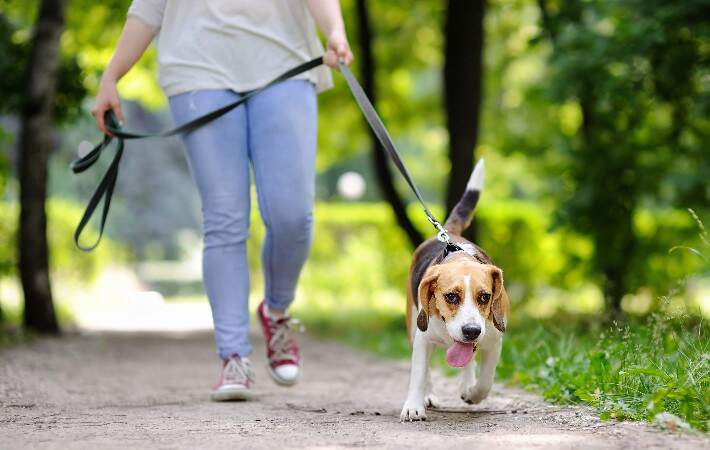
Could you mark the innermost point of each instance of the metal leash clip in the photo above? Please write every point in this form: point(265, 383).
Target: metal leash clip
point(442, 235)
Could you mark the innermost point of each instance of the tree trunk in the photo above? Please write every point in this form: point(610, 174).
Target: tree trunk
point(614, 291)
point(463, 70)
point(35, 146)
point(379, 156)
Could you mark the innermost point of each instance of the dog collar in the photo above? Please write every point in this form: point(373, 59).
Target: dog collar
point(451, 248)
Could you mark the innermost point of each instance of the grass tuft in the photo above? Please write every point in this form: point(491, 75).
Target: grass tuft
point(637, 371)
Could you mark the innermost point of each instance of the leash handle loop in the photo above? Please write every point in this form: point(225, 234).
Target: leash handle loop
point(103, 192)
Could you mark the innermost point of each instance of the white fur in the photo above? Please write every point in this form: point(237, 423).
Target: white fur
point(415, 406)
point(474, 390)
point(467, 313)
point(439, 333)
point(475, 182)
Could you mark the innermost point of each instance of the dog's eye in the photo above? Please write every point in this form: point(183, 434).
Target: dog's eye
point(483, 298)
point(452, 297)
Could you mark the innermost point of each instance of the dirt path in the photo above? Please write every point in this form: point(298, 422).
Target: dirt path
point(150, 390)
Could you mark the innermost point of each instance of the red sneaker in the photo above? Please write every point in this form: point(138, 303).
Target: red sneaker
point(281, 348)
point(235, 380)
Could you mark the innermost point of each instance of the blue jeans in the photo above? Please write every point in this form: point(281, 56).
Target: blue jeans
point(276, 132)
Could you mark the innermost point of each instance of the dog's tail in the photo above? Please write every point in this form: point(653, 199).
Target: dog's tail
point(462, 214)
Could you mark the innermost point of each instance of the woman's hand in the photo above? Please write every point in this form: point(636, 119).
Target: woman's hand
point(135, 38)
point(337, 49)
point(107, 99)
point(330, 20)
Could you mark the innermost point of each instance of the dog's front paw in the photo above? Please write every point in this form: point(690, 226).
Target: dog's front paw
point(413, 410)
point(431, 401)
point(474, 394)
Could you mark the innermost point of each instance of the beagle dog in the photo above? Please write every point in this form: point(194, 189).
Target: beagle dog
point(455, 299)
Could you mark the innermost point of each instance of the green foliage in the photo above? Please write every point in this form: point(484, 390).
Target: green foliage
point(632, 72)
point(348, 240)
point(558, 258)
point(633, 372)
point(14, 56)
point(359, 256)
point(705, 241)
point(65, 259)
point(407, 47)
point(8, 219)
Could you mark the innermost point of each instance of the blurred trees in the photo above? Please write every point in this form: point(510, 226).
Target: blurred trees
point(635, 72)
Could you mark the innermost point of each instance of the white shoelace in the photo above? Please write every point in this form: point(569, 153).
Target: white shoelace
point(280, 341)
point(237, 371)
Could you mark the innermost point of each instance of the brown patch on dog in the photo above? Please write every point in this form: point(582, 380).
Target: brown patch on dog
point(424, 294)
point(449, 280)
point(499, 302)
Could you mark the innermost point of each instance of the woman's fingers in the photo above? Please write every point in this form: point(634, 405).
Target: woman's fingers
point(332, 57)
point(347, 56)
point(338, 50)
point(116, 108)
point(107, 99)
point(343, 53)
point(98, 112)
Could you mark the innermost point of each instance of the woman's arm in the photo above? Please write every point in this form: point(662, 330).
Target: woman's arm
point(135, 38)
point(330, 20)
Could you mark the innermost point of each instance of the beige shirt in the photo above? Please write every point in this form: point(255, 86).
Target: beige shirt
point(230, 44)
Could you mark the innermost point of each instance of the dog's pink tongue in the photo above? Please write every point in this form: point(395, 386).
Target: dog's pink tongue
point(458, 355)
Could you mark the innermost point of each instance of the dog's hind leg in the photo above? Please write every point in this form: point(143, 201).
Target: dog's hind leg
point(415, 406)
point(489, 361)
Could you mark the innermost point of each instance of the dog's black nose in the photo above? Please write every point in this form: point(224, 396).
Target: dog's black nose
point(471, 331)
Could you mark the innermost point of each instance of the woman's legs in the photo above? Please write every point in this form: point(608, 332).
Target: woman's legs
point(282, 129)
point(218, 158)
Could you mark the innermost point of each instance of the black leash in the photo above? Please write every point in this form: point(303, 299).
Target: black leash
point(106, 187)
point(384, 137)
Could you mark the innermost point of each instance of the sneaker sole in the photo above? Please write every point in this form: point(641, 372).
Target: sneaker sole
point(282, 381)
point(231, 393)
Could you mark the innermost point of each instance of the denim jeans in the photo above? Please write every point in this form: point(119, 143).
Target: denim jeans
point(276, 132)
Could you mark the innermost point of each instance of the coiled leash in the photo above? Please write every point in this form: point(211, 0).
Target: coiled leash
point(106, 187)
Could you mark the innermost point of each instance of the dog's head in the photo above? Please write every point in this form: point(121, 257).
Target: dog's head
point(463, 294)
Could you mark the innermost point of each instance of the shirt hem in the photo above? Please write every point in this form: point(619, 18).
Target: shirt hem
point(178, 87)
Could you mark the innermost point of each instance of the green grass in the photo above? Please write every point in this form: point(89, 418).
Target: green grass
point(637, 371)
point(632, 372)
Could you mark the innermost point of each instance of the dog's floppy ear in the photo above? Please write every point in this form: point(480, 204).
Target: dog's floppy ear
point(424, 295)
point(499, 305)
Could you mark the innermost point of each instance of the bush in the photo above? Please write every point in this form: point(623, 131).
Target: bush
point(359, 254)
point(65, 259)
